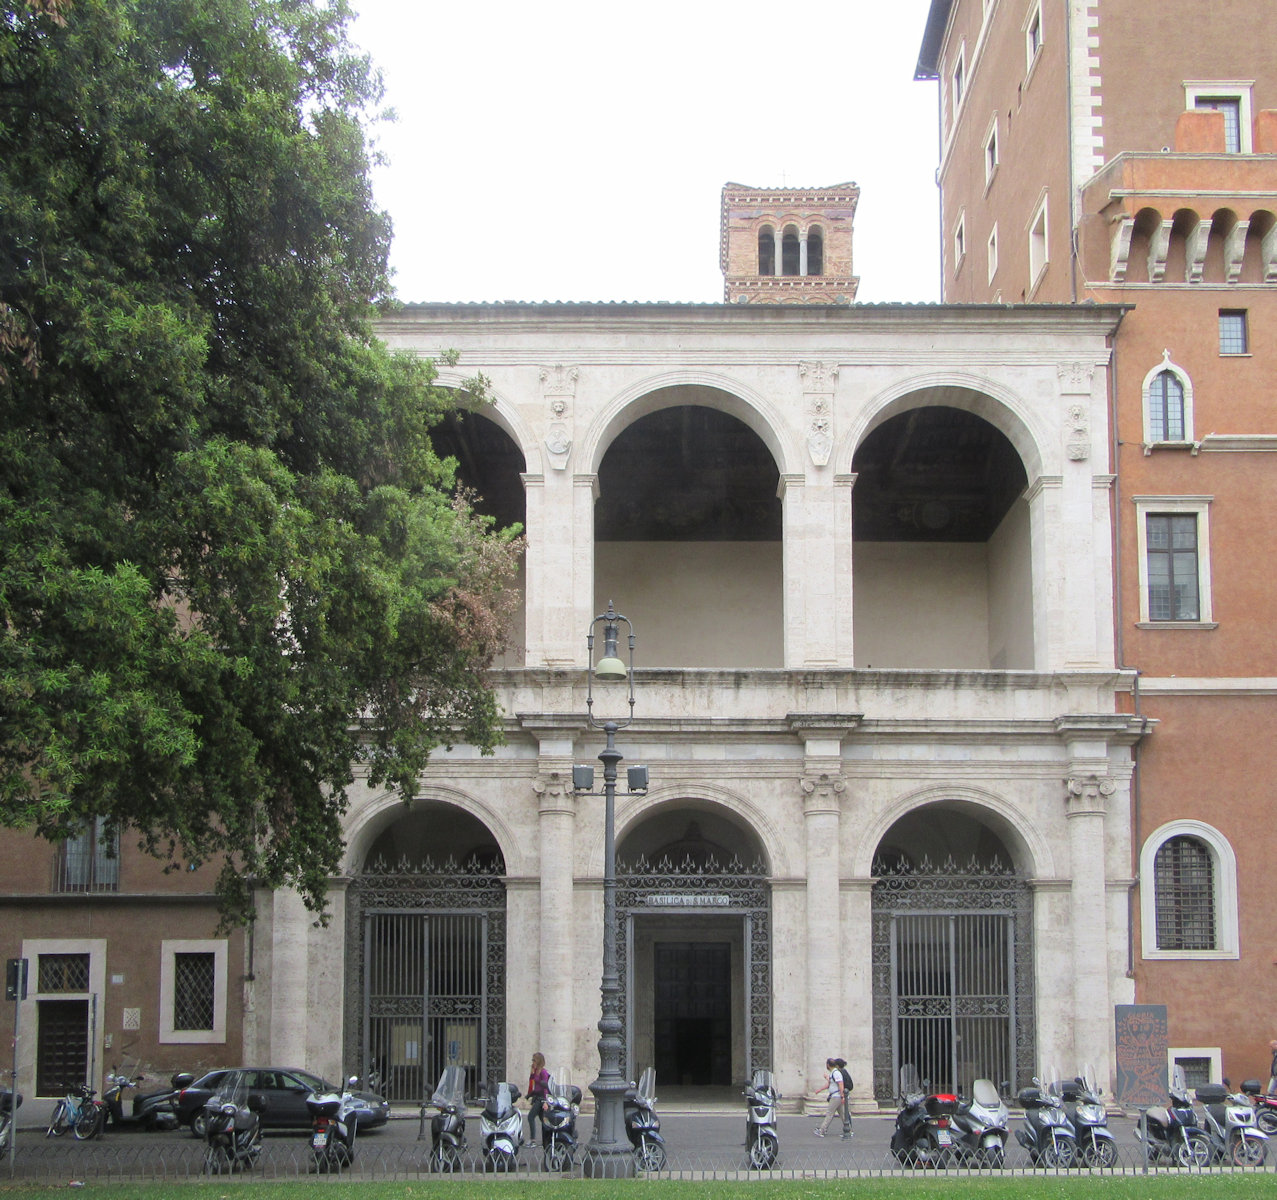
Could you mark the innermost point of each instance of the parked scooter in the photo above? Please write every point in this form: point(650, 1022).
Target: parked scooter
point(558, 1125)
point(762, 1143)
point(923, 1136)
point(233, 1126)
point(501, 1127)
point(1047, 1134)
point(150, 1110)
point(642, 1125)
point(1265, 1105)
point(1173, 1132)
point(8, 1105)
point(333, 1127)
point(448, 1125)
point(1096, 1146)
point(1230, 1125)
point(980, 1127)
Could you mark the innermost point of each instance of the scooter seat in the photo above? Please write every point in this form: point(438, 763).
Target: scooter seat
point(1159, 1115)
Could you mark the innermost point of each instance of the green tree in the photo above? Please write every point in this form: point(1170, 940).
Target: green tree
point(232, 567)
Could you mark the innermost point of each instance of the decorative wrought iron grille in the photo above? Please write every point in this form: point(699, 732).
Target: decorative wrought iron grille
point(425, 980)
point(952, 975)
point(703, 886)
point(1184, 887)
point(63, 973)
point(194, 980)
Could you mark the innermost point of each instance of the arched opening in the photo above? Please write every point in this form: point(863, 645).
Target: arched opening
point(1223, 223)
point(789, 251)
point(490, 465)
point(694, 908)
point(1259, 230)
point(687, 531)
point(815, 251)
point(766, 251)
point(952, 952)
point(1183, 229)
point(425, 937)
point(942, 574)
point(1144, 236)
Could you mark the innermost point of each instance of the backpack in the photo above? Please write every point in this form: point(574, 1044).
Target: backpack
point(846, 1078)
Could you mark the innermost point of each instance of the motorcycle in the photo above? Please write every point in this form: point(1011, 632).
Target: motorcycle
point(1265, 1105)
point(1230, 1125)
point(501, 1128)
point(233, 1127)
point(762, 1144)
point(642, 1125)
point(923, 1136)
point(980, 1126)
point(1047, 1134)
point(9, 1103)
point(448, 1125)
point(558, 1125)
point(333, 1127)
point(150, 1110)
point(1173, 1134)
point(1096, 1146)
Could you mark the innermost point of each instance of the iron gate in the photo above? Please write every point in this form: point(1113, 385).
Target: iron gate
point(702, 886)
point(426, 978)
point(953, 977)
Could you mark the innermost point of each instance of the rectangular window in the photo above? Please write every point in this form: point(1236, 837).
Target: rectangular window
point(62, 973)
point(1037, 244)
point(959, 80)
point(194, 989)
point(88, 862)
point(1197, 1071)
point(1172, 567)
point(991, 152)
point(1033, 36)
point(993, 253)
point(1231, 107)
point(959, 242)
point(1233, 338)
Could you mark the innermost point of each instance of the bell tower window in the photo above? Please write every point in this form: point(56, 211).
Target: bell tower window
point(766, 251)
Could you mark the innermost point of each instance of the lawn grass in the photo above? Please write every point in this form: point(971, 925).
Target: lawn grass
point(1165, 1186)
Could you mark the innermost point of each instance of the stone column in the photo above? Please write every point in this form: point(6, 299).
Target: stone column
point(557, 981)
point(289, 966)
point(1086, 798)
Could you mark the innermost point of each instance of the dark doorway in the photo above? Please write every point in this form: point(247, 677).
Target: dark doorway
point(693, 1013)
point(62, 1045)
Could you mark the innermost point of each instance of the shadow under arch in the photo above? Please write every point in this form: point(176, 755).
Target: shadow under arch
point(669, 390)
point(984, 398)
point(502, 413)
point(371, 820)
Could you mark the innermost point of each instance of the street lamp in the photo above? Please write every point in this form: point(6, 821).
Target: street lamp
point(608, 1154)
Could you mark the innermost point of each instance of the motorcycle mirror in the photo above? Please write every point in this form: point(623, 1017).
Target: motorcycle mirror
point(353, 1081)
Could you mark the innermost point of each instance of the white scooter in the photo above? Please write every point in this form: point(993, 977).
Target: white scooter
point(501, 1128)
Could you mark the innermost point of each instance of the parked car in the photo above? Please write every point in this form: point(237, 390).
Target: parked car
point(285, 1090)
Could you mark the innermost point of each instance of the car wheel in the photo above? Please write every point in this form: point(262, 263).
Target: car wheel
point(199, 1124)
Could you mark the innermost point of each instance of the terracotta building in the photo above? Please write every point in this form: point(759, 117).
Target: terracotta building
point(1123, 153)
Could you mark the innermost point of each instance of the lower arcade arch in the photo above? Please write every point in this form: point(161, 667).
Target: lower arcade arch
point(694, 947)
point(952, 953)
point(426, 953)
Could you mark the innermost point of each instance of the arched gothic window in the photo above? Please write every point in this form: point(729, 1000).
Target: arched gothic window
point(1166, 408)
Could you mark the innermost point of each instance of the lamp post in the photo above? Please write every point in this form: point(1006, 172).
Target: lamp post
point(608, 1154)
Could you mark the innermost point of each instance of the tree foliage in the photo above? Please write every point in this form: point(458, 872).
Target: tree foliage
point(231, 564)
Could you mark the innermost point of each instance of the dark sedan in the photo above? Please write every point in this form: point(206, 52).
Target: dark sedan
point(285, 1090)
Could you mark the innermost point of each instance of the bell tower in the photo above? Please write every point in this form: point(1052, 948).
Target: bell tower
point(788, 245)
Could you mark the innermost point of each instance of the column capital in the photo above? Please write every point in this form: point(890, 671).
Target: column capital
point(554, 791)
point(822, 792)
point(1087, 794)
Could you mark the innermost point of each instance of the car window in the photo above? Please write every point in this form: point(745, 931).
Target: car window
point(267, 1081)
point(210, 1081)
point(312, 1083)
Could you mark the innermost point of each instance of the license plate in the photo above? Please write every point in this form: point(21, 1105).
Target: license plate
point(943, 1138)
point(319, 1141)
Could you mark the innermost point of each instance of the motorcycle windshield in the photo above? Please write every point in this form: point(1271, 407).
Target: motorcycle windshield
point(451, 1090)
point(233, 1089)
point(646, 1090)
point(762, 1081)
point(910, 1082)
point(501, 1103)
point(985, 1094)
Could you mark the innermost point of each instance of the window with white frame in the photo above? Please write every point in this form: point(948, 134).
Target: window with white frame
point(1168, 404)
point(1038, 257)
point(1188, 893)
point(1032, 36)
point(959, 241)
point(193, 990)
point(1232, 97)
point(1201, 1064)
point(991, 151)
point(993, 252)
point(1234, 337)
point(1173, 536)
point(959, 80)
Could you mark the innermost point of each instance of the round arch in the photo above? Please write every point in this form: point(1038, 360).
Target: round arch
point(366, 821)
point(1030, 852)
point(982, 397)
point(737, 810)
point(659, 392)
point(504, 414)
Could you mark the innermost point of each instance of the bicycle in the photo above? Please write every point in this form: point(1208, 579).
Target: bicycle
point(78, 1112)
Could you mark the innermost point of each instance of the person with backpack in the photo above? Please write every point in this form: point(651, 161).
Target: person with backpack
point(835, 1095)
point(840, 1065)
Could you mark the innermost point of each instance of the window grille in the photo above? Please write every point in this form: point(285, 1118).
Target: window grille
point(1166, 408)
point(194, 983)
point(1172, 567)
point(63, 973)
point(1197, 1071)
point(1184, 886)
point(88, 862)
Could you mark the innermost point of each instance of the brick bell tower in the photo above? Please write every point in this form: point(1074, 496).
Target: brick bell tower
point(788, 245)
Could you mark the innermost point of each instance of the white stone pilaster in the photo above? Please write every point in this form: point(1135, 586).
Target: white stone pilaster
point(555, 976)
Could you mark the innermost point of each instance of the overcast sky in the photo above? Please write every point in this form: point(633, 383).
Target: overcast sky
point(574, 150)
